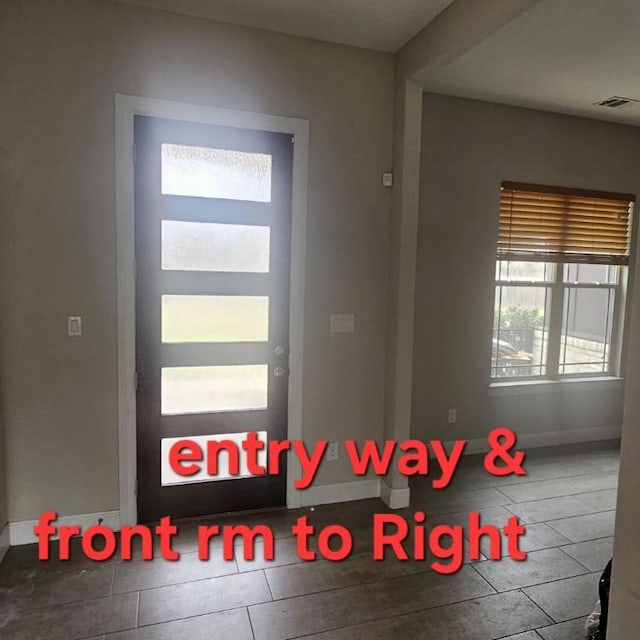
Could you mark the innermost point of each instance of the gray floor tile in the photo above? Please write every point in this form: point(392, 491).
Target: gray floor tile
point(310, 614)
point(566, 599)
point(204, 596)
point(134, 576)
point(538, 490)
point(563, 501)
point(539, 567)
point(604, 460)
point(487, 618)
point(541, 536)
point(21, 563)
point(73, 621)
point(484, 480)
point(279, 520)
point(497, 516)
point(227, 625)
point(593, 554)
point(285, 552)
point(589, 527)
point(322, 575)
point(549, 509)
point(451, 500)
point(537, 469)
point(571, 630)
point(537, 537)
point(51, 589)
point(559, 467)
point(599, 500)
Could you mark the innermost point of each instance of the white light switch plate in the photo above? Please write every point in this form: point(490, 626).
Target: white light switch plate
point(74, 325)
point(342, 323)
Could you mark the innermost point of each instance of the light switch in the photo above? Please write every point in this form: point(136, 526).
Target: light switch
point(74, 325)
point(342, 323)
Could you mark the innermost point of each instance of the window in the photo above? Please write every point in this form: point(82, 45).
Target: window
point(562, 259)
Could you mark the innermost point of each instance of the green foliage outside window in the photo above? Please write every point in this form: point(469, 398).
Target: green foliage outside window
point(520, 318)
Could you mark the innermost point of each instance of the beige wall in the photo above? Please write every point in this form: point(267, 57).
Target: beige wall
point(63, 60)
point(468, 149)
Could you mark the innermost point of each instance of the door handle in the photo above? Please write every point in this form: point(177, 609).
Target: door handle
point(279, 372)
point(279, 350)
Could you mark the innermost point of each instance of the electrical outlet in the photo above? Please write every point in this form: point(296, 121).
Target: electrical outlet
point(453, 416)
point(342, 323)
point(332, 451)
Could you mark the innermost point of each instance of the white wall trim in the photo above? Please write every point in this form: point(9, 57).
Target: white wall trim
point(5, 541)
point(126, 107)
point(548, 439)
point(568, 385)
point(343, 492)
point(22, 532)
point(395, 498)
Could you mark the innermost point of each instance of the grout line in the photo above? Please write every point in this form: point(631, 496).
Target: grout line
point(138, 610)
point(548, 523)
point(113, 581)
point(511, 502)
point(266, 579)
point(415, 612)
point(534, 631)
point(151, 625)
point(584, 515)
point(526, 595)
point(425, 569)
point(578, 561)
point(572, 558)
point(579, 515)
point(483, 577)
point(581, 618)
point(180, 582)
point(503, 488)
point(554, 580)
point(253, 633)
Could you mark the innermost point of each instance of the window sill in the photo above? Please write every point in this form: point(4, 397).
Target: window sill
point(561, 385)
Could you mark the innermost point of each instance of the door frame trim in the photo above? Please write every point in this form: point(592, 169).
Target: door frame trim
point(126, 108)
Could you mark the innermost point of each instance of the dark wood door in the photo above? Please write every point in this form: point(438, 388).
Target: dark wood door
point(213, 220)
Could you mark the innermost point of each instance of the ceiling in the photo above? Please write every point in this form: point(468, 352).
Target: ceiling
point(383, 25)
point(561, 55)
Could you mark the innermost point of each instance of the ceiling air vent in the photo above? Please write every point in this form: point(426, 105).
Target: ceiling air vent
point(615, 102)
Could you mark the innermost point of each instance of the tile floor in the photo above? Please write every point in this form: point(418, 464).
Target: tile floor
point(567, 502)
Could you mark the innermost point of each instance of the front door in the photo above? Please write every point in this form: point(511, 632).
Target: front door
point(213, 220)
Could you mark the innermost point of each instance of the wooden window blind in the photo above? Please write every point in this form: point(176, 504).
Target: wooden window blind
point(553, 224)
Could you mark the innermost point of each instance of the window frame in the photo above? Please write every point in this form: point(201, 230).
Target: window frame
point(558, 258)
point(557, 287)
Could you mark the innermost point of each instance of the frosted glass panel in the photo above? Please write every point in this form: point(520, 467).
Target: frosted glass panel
point(215, 318)
point(209, 389)
point(215, 173)
point(585, 342)
point(208, 246)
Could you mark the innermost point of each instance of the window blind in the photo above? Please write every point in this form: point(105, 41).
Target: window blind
point(554, 224)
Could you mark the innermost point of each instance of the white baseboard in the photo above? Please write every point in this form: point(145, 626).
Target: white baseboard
point(22, 532)
point(4, 542)
point(548, 439)
point(394, 498)
point(343, 492)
